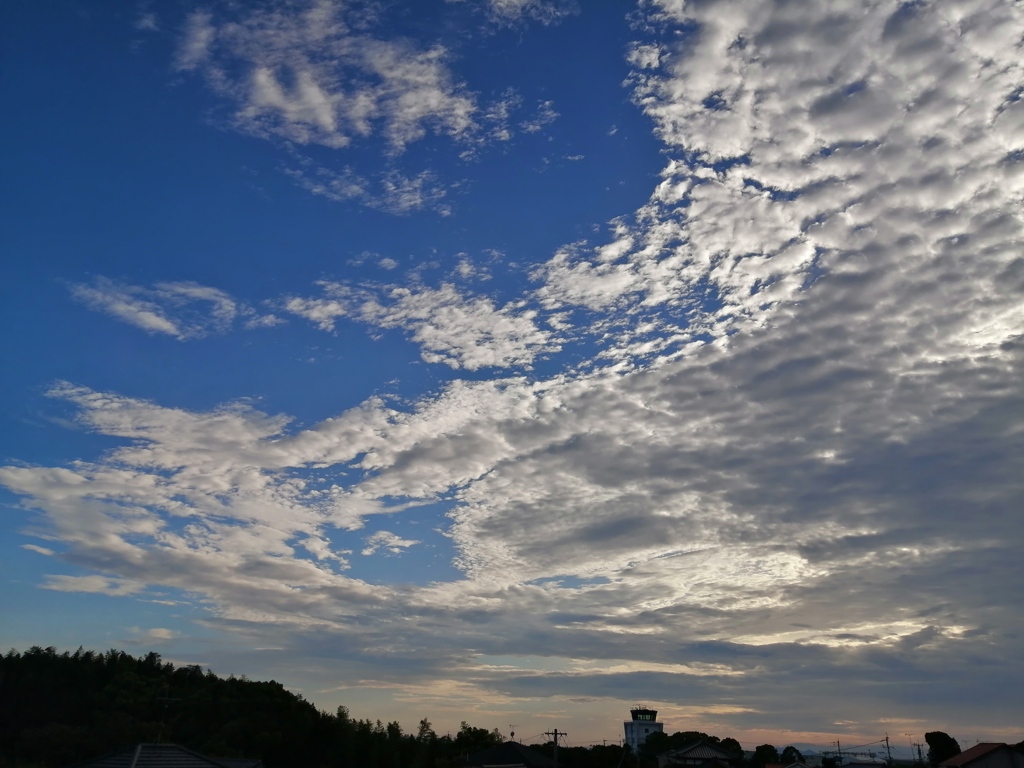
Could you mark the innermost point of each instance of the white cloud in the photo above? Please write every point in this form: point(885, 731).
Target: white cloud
point(802, 463)
point(94, 584)
point(194, 48)
point(154, 635)
point(467, 269)
point(393, 543)
point(125, 303)
point(544, 11)
point(546, 114)
point(314, 76)
point(390, 191)
point(37, 549)
point(322, 312)
point(459, 331)
point(255, 320)
point(798, 155)
point(170, 307)
point(147, 22)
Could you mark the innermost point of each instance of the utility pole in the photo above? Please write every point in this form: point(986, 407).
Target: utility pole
point(887, 750)
point(166, 699)
point(839, 751)
point(555, 734)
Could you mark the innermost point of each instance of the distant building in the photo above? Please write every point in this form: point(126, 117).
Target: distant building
point(164, 756)
point(986, 755)
point(698, 753)
point(644, 723)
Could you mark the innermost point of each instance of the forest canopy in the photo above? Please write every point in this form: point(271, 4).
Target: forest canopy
point(60, 708)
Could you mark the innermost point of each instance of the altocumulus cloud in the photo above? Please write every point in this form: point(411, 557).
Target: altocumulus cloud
point(459, 331)
point(291, 75)
point(319, 75)
point(802, 462)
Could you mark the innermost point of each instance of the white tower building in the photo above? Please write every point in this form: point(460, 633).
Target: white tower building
point(644, 723)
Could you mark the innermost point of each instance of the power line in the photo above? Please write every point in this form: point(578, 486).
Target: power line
point(555, 734)
point(870, 743)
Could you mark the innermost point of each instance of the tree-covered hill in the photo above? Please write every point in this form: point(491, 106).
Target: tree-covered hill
point(59, 708)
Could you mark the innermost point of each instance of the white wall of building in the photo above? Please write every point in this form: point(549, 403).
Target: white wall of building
point(637, 731)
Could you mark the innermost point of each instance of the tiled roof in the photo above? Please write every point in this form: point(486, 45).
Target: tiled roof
point(510, 753)
point(699, 750)
point(716, 763)
point(973, 753)
point(162, 756)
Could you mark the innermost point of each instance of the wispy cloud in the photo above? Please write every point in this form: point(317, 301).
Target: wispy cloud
point(317, 76)
point(390, 191)
point(543, 11)
point(37, 549)
point(147, 22)
point(545, 115)
point(154, 635)
point(170, 308)
point(194, 48)
point(125, 302)
point(95, 584)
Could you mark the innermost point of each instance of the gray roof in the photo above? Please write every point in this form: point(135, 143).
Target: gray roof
point(164, 756)
point(699, 750)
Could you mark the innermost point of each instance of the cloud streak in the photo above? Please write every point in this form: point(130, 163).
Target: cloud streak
point(169, 308)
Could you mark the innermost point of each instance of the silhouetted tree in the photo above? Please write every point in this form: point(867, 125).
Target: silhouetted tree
point(655, 744)
point(731, 745)
point(941, 746)
point(791, 755)
point(469, 739)
point(765, 754)
point(597, 756)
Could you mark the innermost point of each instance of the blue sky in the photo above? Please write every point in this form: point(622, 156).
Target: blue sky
point(516, 361)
